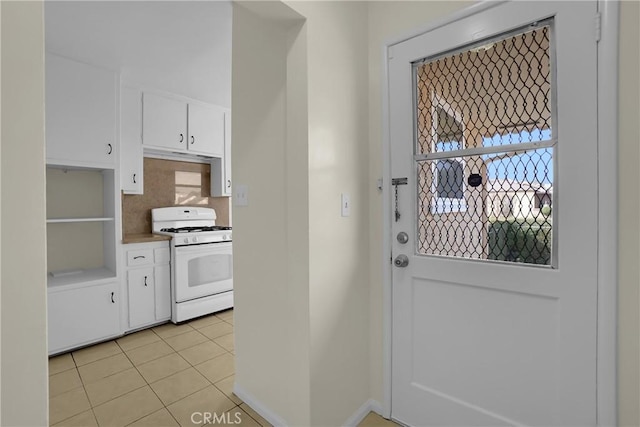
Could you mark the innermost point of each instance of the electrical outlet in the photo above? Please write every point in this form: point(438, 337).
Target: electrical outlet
point(346, 204)
point(240, 195)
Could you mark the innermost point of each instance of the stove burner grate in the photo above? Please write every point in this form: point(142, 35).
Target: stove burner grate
point(196, 229)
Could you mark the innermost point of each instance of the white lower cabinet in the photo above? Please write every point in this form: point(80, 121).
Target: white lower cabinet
point(163, 291)
point(142, 303)
point(82, 315)
point(148, 284)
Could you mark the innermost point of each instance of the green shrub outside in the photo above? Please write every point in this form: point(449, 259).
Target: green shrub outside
point(520, 240)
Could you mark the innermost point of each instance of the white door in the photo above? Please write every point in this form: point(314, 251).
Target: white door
point(493, 123)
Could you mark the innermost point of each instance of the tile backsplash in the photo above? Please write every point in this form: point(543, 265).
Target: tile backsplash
point(171, 183)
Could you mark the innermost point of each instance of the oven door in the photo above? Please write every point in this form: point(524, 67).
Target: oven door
point(202, 270)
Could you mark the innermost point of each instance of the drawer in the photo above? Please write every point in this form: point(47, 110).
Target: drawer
point(139, 257)
point(161, 255)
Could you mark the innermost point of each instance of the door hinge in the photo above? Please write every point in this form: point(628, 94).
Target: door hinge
point(598, 25)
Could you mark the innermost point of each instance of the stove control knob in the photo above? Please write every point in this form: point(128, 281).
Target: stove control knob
point(226, 237)
point(195, 239)
point(186, 240)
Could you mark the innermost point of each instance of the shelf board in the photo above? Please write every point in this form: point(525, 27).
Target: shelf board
point(86, 219)
point(80, 277)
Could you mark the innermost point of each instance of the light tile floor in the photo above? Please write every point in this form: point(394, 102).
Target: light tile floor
point(156, 377)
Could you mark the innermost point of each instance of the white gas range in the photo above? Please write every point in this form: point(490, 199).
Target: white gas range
point(201, 260)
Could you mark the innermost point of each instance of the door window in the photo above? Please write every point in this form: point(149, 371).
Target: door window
point(485, 149)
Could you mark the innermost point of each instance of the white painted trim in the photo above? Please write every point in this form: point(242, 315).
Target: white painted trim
point(607, 213)
point(607, 206)
point(357, 417)
point(387, 315)
point(478, 7)
point(266, 413)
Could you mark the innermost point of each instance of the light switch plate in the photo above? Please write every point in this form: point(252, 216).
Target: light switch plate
point(346, 204)
point(240, 195)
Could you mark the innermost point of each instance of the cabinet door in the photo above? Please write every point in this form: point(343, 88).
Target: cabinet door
point(141, 286)
point(227, 154)
point(206, 129)
point(131, 160)
point(164, 122)
point(83, 315)
point(221, 167)
point(80, 104)
point(163, 292)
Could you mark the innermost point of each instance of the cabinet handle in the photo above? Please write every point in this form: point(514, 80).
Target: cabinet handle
point(134, 178)
point(145, 280)
point(139, 256)
point(110, 148)
point(228, 183)
point(181, 138)
point(112, 300)
point(193, 139)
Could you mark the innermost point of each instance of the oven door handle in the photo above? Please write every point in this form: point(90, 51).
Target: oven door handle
point(221, 248)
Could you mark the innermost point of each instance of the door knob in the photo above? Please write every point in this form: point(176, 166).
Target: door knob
point(401, 261)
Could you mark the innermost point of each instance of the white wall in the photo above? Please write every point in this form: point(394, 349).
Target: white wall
point(293, 218)
point(338, 256)
point(23, 246)
point(271, 243)
point(629, 218)
point(182, 47)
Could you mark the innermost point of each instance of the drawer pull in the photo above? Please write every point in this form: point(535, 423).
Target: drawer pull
point(139, 256)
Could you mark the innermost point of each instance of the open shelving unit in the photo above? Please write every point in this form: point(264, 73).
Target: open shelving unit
point(81, 226)
point(88, 219)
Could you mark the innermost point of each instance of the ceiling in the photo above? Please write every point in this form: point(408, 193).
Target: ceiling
point(182, 47)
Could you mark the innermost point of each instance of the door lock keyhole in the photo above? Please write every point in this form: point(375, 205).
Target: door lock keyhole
point(401, 261)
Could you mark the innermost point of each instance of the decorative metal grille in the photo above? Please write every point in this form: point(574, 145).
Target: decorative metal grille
point(485, 148)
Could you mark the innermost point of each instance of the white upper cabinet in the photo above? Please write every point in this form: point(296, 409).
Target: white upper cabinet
point(180, 125)
point(164, 122)
point(131, 161)
point(221, 167)
point(206, 129)
point(81, 103)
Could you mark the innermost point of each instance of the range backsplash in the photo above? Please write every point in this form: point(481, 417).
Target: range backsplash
point(171, 183)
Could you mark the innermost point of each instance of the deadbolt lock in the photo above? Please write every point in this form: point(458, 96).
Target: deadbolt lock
point(402, 237)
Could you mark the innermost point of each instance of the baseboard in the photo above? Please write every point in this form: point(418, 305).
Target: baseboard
point(357, 417)
point(266, 413)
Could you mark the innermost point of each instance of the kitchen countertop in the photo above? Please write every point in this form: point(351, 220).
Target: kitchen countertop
point(144, 238)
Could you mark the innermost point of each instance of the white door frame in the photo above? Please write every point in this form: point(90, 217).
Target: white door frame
point(607, 203)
